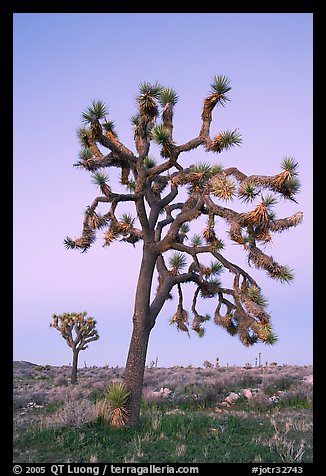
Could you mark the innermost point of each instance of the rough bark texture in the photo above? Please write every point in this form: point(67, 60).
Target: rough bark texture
point(74, 367)
point(142, 325)
point(135, 368)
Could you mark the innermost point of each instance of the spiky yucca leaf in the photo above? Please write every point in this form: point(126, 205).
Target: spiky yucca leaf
point(180, 319)
point(109, 126)
point(98, 110)
point(254, 293)
point(219, 244)
point(127, 218)
point(290, 187)
point(223, 187)
point(209, 288)
point(148, 105)
point(225, 140)
point(83, 135)
point(184, 228)
point(131, 185)
point(177, 262)
point(85, 154)
point(216, 267)
point(202, 168)
point(95, 220)
point(149, 162)
point(269, 201)
point(220, 85)
point(117, 397)
point(110, 236)
point(153, 90)
point(266, 335)
point(247, 192)
point(216, 169)
point(100, 178)
point(197, 240)
point(160, 135)
point(290, 164)
point(209, 234)
point(85, 241)
point(262, 213)
point(271, 339)
point(134, 119)
point(146, 100)
point(69, 243)
point(168, 96)
point(201, 331)
point(126, 222)
point(282, 273)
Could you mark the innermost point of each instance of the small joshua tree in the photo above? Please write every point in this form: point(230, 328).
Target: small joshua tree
point(77, 330)
point(207, 364)
point(169, 198)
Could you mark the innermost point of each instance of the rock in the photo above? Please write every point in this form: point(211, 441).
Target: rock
point(165, 391)
point(274, 398)
point(232, 397)
point(224, 404)
point(308, 379)
point(247, 393)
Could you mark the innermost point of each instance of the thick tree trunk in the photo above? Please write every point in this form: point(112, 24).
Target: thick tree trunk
point(74, 366)
point(134, 374)
point(142, 326)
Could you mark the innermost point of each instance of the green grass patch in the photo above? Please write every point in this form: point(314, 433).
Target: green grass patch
point(163, 438)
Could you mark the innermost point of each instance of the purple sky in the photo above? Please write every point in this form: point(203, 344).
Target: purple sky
point(61, 63)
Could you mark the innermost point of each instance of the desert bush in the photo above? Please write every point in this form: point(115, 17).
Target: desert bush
point(149, 395)
point(300, 397)
point(102, 410)
point(20, 401)
point(273, 382)
point(260, 401)
point(60, 380)
point(40, 397)
point(62, 393)
point(74, 414)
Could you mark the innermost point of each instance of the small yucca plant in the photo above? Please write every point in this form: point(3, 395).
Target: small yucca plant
point(117, 396)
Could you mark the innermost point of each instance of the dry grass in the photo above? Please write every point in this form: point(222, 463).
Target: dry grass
point(44, 399)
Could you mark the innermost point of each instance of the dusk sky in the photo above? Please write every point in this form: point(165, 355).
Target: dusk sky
point(62, 62)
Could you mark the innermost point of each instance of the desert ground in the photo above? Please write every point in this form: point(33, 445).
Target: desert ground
point(189, 415)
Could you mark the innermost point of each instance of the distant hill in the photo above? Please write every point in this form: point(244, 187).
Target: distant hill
point(23, 364)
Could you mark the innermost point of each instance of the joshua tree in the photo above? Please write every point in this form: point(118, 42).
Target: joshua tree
point(207, 364)
point(77, 330)
point(169, 198)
